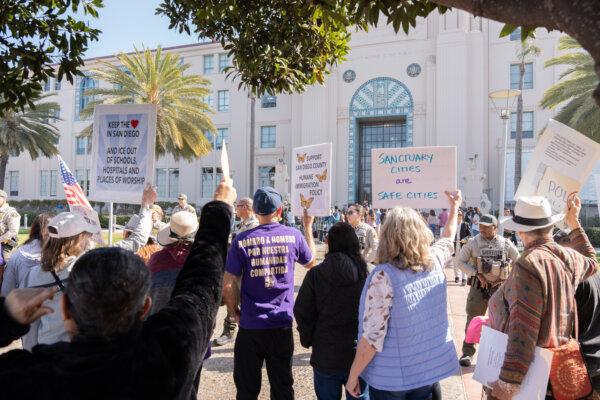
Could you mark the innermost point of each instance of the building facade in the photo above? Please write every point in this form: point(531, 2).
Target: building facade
point(427, 88)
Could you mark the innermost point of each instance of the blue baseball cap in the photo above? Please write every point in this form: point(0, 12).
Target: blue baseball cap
point(266, 201)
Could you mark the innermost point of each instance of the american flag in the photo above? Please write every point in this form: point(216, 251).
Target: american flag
point(75, 196)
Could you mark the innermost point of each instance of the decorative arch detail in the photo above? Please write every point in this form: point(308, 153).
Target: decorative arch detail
point(380, 97)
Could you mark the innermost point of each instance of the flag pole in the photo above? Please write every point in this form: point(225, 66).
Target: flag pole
point(110, 223)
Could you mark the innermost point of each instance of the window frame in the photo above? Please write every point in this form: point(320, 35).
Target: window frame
point(268, 132)
point(527, 84)
point(223, 101)
point(211, 70)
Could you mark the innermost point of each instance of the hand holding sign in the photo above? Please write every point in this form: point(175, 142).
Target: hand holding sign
point(572, 213)
point(149, 195)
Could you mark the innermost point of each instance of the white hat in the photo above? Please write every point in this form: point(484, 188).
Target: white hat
point(183, 226)
point(531, 212)
point(68, 224)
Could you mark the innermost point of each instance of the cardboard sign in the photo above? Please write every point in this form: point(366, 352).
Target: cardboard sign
point(311, 180)
point(492, 349)
point(122, 151)
point(413, 176)
point(560, 165)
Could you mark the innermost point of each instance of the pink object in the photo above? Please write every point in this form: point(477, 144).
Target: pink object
point(474, 329)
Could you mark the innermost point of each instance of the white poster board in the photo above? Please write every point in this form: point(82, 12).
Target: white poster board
point(490, 357)
point(597, 181)
point(311, 180)
point(122, 152)
point(561, 163)
point(413, 176)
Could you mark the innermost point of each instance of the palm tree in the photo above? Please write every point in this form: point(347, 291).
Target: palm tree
point(158, 78)
point(574, 89)
point(525, 50)
point(30, 130)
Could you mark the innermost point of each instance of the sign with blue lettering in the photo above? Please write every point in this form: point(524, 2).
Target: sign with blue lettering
point(413, 176)
point(122, 151)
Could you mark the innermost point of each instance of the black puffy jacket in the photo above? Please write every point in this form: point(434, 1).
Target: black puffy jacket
point(326, 311)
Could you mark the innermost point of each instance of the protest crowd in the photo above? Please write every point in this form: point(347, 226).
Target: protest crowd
point(135, 319)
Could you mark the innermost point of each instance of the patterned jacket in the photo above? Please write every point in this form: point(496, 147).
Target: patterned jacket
point(535, 305)
point(9, 223)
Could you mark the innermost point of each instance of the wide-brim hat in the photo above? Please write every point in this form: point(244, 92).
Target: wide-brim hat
point(182, 227)
point(531, 213)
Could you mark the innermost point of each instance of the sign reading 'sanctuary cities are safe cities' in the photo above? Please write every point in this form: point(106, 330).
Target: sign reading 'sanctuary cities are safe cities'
point(413, 176)
point(311, 180)
point(122, 152)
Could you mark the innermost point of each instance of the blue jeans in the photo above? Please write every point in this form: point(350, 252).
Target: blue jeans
point(422, 393)
point(330, 386)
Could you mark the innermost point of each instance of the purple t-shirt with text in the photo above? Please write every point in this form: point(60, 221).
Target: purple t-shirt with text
point(264, 257)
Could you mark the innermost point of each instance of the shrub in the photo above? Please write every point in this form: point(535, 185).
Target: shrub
point(594, 235)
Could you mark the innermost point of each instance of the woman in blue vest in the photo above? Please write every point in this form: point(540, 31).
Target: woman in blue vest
point(405, 345)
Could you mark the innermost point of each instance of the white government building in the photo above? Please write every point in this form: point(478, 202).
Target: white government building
point(429, 87)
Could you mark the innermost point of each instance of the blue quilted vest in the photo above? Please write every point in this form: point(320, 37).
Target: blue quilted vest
point(418, 348)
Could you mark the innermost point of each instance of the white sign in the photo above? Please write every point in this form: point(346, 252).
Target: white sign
point(122, 152)
point(413, 176)
point(225, 163)
point(562, 161)
point(311, 180)
point(492, 349)
point(597, 180)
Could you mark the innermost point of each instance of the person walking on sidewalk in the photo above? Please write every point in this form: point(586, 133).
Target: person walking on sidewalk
point(463, 232)
point(243, 210)
point(326, 311)
point(486, 259)
point(260, 272)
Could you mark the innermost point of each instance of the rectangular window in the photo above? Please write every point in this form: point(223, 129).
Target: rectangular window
point(223, 98)
point(81, 98)
point(527, 125)
point(43, 183)
point(47, 85)
point(209, 67)
point(268, 101)
point(161, 182)
point(209, 181)
point(83, 145)
point(173, 182)
point(13, 177)
point(222, 136)
point(53, 182)
point(223, 62)
point(56, 84)
point(515, 75)
point(516, 34)
point(266, 176)
point(83, 178)
point(267, 137)
point(208, 99)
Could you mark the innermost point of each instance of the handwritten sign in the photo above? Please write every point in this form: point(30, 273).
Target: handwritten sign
point(311, 180)
point(413, 176)
point(562, 161)
point(490, 358)
point(123, 151)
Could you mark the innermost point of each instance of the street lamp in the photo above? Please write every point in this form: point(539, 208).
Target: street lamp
point(503, 100)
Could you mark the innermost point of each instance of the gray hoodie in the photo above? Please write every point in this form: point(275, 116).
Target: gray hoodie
point(20, 262)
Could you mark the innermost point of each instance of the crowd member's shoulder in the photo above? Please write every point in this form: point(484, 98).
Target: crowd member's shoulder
point(11, 212)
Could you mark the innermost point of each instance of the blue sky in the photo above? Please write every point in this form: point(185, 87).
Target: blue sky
point(128, 23)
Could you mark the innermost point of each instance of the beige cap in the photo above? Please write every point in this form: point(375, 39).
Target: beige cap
point(68, 224)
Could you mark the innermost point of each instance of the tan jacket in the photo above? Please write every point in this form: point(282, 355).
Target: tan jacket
point(9, 223)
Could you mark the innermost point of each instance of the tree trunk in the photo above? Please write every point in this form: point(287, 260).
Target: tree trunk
point(3, 163)
point(519, 132)
point(252, 144)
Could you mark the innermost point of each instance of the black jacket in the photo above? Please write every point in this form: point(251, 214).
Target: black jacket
point(587, 297)
point(326, 311)
point(158, 361)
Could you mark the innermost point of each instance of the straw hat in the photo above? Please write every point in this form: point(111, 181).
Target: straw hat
point(183, 226)
point(531, 212)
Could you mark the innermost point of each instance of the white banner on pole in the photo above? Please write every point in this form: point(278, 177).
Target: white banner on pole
point(561, 163)
point(490, 357)
point(122, 152)
point(413, 176)
point(311, 180)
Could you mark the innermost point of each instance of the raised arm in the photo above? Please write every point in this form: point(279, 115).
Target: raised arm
point(186, 323)
point(577, 238)
point(307, 221)
point(454, 200)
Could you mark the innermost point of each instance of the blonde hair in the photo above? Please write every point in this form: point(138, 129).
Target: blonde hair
point(405, 240)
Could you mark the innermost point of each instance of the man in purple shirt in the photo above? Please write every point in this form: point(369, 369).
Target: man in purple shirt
point(261, 263)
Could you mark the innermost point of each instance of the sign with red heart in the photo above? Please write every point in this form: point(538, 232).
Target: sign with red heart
point(134, 123)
